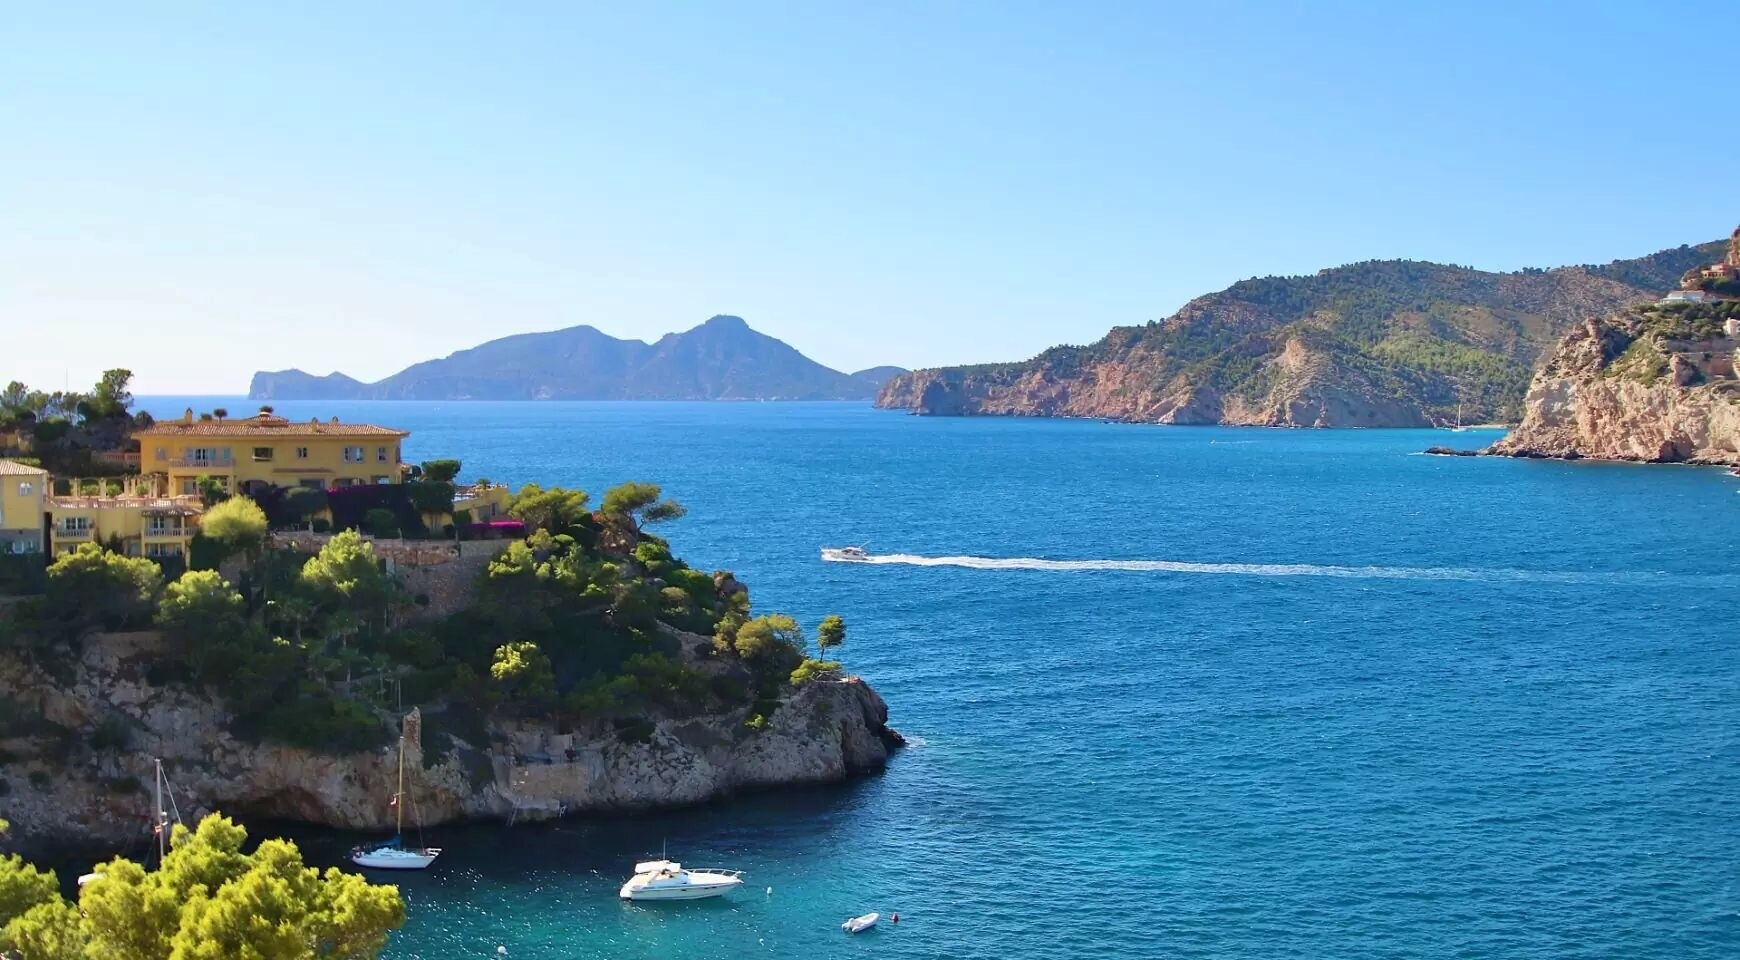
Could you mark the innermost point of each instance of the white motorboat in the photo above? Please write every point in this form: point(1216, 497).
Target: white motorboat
point(861, 924)
point(845, 554)
point(393, 854)
point(667, 880)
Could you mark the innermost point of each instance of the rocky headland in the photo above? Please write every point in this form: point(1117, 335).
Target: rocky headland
point(1376, 344)
point(81, 739)
point(1654, 384)
point(572, 666)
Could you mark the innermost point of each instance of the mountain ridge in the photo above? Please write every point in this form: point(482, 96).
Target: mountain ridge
point(1380, 343)
point(721, 359)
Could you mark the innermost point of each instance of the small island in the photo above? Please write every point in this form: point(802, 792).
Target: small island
point(540, 653)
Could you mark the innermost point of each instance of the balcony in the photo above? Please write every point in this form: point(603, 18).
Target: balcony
point(153, 532)
point(71, 533)
point(202, 463)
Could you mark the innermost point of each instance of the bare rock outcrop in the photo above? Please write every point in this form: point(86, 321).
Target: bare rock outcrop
point(1654, 385)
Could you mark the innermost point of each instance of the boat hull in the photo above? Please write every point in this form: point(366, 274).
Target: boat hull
point(394, 858)
point(687, 891)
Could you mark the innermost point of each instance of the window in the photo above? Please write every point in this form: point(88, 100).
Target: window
point(312, 483)
point(163, 549)
point(353, 454)
point(75, 524)
point(301, 453)
point(345, 482)
point(24, 489)
point(262, 454)
point(162, 526)
point(381, 480)
point(162, 454)
point(380, 454)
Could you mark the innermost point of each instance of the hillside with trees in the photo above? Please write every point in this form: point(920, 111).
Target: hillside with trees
point(1379, 343)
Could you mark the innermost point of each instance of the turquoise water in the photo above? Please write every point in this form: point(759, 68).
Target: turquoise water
point(1371, 704)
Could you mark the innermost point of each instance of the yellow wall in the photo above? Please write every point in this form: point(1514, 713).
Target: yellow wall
point(146, 526)
point(285, 455)
point(23, 492)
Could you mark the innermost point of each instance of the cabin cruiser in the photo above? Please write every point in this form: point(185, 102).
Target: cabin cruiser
point(845, 554)
point(666, 880)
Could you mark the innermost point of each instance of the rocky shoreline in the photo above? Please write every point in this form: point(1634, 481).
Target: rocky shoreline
point(1644, 386)
point(77, 777)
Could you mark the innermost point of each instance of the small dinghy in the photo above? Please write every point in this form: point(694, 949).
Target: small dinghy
point(860, 924)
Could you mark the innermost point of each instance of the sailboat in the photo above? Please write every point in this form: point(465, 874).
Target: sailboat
point(393, 854)
point(1459, 428)
point(161, 821)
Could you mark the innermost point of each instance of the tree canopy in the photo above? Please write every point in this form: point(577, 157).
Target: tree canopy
point(238, 523)
point(93, 586)
point(207, 901)
point(555, 509)
point(640, 503)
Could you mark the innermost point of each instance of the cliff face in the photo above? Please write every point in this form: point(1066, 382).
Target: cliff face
point(1296, 379)
point(56, 794)
point(1653, 385)
point(1377, 344)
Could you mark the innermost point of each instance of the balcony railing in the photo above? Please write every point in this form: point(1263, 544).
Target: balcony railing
point(221, 463)
point(68, 533)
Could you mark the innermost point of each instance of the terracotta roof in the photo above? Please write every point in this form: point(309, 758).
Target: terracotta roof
point(12, 468)
point(266, 425)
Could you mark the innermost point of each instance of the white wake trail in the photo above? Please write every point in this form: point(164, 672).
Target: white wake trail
point(1248, 569)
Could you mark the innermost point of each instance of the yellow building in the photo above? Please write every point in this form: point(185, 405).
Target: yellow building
point(482, 501)
point(23, 492)
point(142, 520)
point(269, 449)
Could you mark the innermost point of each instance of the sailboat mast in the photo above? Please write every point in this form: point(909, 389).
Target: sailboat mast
point(399, 798)
point(162, 818)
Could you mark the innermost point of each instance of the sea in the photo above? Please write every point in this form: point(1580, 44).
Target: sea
point(1170, 692)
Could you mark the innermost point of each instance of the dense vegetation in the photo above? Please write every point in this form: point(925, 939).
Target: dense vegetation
point(62, 431)
point(208, 900)
point(581, 621)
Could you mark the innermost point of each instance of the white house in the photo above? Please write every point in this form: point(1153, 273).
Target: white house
point(1686, 296)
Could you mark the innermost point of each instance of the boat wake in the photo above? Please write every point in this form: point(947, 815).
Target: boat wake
point(1258, 569)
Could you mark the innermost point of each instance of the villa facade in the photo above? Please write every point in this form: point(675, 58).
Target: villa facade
point(156, 513)
point(23, 492)
point(266, 449)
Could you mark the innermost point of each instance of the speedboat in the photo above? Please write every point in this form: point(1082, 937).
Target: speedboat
point(667, 880)
point(861, 924)
point(845, 554)
point(393, 855)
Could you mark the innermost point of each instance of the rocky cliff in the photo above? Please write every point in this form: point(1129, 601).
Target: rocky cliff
point(78, 753)
point(1376, 344)
point(1655, 384)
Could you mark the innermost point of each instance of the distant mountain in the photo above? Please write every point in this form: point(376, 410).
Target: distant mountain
point(1383, 343)
point(722, 359)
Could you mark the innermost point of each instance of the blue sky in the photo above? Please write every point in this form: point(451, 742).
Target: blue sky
point(358, 187)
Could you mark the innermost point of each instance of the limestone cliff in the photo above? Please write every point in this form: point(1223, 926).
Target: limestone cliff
point(1376, 344)
point(1653, 384)
point(78, 751)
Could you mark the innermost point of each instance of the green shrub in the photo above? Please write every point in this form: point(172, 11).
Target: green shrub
point(381, 522)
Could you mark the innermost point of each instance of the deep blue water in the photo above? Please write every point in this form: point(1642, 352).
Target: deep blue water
point(1380, 705)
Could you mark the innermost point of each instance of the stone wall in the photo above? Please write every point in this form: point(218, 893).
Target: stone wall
point(441, 574)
